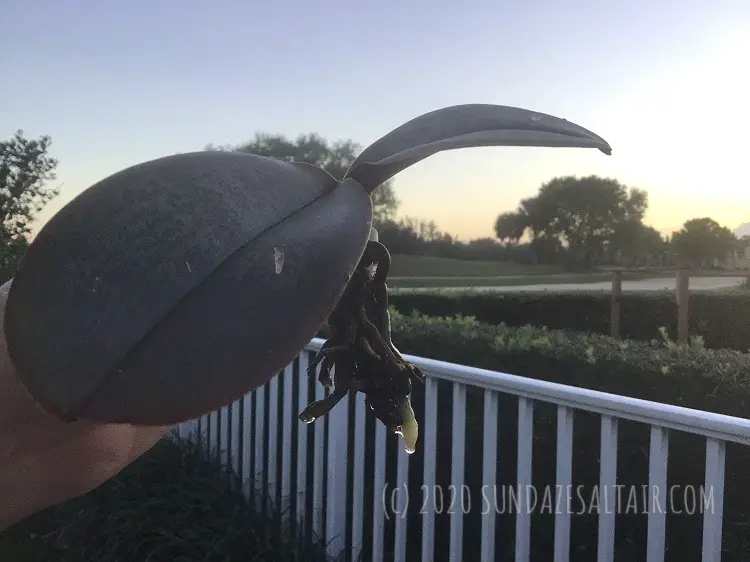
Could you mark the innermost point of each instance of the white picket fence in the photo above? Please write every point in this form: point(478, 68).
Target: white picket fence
point(260, 438)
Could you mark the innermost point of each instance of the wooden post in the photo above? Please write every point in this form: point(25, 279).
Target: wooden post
point(683, 294)
point(614, 317)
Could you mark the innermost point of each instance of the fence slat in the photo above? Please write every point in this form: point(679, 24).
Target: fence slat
point(183, 430)
point(318, 462)
point(260, 418)
point(273, 443)
point(336, 471)
point(358, 485)
point(225, 433)
point(402, 503)
point(288, 419)
point(247, 442)
point(607, 490)
point(304, 380)
point(657, 497)
point(525, 443)
point(378, 519)
point(213, 437)
point(563, 481)
point(458, 445)
point(188, 430)
point(713, 506)
point(198, 431)
point(489, 473)
point(430, 453)
point(205, 433)
point(236, 434)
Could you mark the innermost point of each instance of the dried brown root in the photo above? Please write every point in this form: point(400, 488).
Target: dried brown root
point(362, 356)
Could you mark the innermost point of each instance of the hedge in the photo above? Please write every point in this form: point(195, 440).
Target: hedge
point(715, 380)
point(721, 319)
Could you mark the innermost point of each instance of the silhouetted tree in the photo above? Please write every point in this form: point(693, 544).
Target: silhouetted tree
point(579, 217)
point(702, 241)
point(634, 243)
point(335, 158)
point(510, 227)
point(25, 169)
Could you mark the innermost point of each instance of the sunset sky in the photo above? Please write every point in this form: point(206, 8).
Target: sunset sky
point(665, 83)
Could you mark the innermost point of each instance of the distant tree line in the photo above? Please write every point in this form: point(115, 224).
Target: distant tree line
point(579, 223)
point(412, 236)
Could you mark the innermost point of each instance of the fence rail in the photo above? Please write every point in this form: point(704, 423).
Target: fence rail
point(321, 473)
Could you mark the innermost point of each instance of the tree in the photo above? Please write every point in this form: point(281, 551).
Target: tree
point(25, 167)
point(486, 249)
point(510, 227)
point(335, 158)
point(413, 237)
point(634, 243)
point(702, 241)
point(652, 245)
point(546, 249)
point(583, 214)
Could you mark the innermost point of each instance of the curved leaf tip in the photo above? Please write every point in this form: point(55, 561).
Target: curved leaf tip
point(463, 126)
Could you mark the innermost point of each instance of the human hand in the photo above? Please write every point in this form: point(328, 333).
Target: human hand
point(44, 461)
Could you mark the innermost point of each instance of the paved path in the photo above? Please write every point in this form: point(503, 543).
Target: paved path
point(660, 284)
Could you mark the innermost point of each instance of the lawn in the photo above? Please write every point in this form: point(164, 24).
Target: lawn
point(506, 280)
point(425, 271)
point(426, 266)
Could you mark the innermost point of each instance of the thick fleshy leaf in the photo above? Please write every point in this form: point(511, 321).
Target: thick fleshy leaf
point(102, 283)
point(465, 126)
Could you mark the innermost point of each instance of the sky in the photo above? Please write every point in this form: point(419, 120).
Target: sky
point(665, 83)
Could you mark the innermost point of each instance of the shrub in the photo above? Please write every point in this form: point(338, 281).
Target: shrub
point(721, 319)
point(691, 376)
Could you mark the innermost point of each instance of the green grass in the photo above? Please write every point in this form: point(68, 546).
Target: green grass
point(172, 505)
point(510, 280)
point(426, 266)
point(425, 271)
